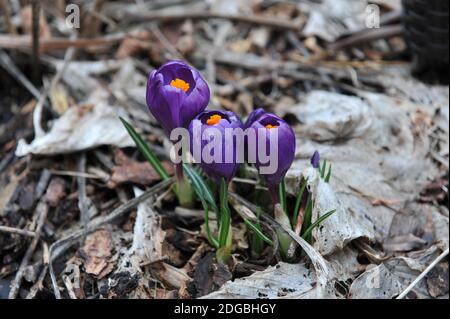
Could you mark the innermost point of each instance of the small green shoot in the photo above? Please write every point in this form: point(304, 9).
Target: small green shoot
point(307, 233)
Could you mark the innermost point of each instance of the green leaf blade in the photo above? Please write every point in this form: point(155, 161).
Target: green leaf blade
point(145, 150)
point(258, 232)
point(317, 223)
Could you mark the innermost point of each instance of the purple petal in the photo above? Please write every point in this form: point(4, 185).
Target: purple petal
point(285, 146)
point(254, 116)
point(218, 170)
point(178, 70)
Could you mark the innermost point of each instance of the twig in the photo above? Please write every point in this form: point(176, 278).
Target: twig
point(69, 287)
point(4, 163)
point(42, 210)
point(8, 64)
point(74, 174)
point(70, 239)
point(12, 230)
point(4, 6)
point(38, 285)
point(42, 184)
point(83, 204)
point(152, 262)
point(49, 44)
point(367, 35)
point(423, 274)
point(169, 17)
point(36, 12)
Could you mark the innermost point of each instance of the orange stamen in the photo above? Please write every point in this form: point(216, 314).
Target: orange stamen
point(213, 119)
point(270, 126)
point(180, 84)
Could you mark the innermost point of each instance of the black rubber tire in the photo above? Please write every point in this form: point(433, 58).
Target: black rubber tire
point(427, 32)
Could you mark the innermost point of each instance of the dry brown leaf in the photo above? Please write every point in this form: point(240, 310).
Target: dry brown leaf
point(131, 171)
point(97, 250)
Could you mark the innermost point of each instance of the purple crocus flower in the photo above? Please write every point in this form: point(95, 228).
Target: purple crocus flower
point(315, 159)
point(255, 115)
point(268, 124)
point(213, 127)
point(176, 93)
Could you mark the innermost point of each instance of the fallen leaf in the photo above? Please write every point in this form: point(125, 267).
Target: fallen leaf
point(437, 280)
point(280, 281)
point(131, 171)
point(97, 250)
point(81, 127)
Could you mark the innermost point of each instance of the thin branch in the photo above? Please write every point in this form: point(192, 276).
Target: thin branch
point(12, 230)
point(169, 17)
point(367, 35)
point(41, 210)
point(54, 43)
point(8, 64)
point(36, 12)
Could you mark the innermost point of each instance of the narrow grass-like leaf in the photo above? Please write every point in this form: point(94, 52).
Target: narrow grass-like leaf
point(225, 218)
point(209, 234)
point(317, 223)
point(308, 213)
point(145, 150)
point(298, 201)
point(328, 177)
point(322, 169)
point(200, 186)
point(282, 195)
point(258, 232)
point(206, 198)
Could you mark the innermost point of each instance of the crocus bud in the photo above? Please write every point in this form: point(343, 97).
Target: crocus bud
point(315, 159)
point(272, 127)
point(213, 144)
point(176, 93)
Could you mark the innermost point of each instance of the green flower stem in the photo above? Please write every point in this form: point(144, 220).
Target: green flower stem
point(282, 195)
point(213, 241)
point(184, 191)
point(283, 238)
point(225, 232)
